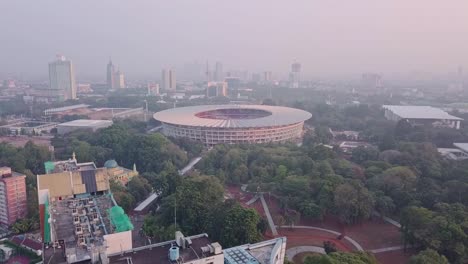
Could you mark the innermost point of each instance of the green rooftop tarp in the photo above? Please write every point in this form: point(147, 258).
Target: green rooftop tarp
point(119, 219)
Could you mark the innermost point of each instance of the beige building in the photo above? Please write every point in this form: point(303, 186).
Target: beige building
point(62, 79)
point(119, 174)
point(168, 80)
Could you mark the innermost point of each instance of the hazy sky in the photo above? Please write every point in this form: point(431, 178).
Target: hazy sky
point(329, 37)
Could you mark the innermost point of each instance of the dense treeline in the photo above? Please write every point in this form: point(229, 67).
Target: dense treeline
point(403, 176)
point(198, 199)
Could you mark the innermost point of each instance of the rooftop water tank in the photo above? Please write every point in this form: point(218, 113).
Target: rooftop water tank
point(174, 253)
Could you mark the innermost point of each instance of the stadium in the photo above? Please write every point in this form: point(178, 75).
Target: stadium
point(234, 124)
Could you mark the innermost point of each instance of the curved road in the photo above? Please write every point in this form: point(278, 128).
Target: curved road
point(292, 252)
point(350, 240)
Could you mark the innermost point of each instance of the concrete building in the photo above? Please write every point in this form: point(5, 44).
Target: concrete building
point(12, 196)
point(110, 75)
point(29, 127)
point(218, 74)
point(82, 124)
point(119, 80)
point(79, 218)
point(198, 249)
point(62, 79)
point(421, 115)
point(168, 79)
point(295, 75)
point(215, 89)
point(234, 124)
point(371, 82)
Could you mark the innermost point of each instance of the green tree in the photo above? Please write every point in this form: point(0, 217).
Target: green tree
point(428, 256)
point(353, 202)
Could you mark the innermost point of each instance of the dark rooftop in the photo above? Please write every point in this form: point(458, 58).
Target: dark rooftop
point(159, 253)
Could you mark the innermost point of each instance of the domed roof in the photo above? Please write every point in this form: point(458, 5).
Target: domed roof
point(111, 164)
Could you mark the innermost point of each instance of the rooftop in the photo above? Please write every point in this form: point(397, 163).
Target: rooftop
point(158, 253)
point(419, 112)
point(86, 123)
point(462, 146)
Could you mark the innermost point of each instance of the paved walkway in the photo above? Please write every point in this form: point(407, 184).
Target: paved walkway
point(190, 165)
point(350, 240)
point(380, 250)
point(274, 232)
point(253, 200)
point(292, 252)
point(388, 220)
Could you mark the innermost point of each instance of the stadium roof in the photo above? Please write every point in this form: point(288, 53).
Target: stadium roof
point(420, 112)
point(273, 116)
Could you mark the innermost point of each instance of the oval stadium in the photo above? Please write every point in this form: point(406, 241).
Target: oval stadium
point(234, 124)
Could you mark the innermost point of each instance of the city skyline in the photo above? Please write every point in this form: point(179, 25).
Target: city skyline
point(386, 37)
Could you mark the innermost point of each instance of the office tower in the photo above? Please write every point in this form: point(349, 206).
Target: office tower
point(119, 80)
point(371, 82)
point(12, 196)
point(267, 76)
point(219, 75)
point(233, 85)
point(110, 76)
point(168, 80)
point(215, 89)
point(62, 79)
point(295, 75)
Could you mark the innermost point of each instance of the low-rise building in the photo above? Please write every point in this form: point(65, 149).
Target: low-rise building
point(12, 196)
point(199, 249)
point(118, 173)
point(421, 115)
point(79, 218)
point(82, 124)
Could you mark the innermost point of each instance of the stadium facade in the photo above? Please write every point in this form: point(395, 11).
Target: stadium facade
point(234, 124)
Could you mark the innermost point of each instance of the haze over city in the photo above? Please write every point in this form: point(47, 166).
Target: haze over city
point(329, 38)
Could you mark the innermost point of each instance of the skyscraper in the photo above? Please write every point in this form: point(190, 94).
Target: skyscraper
point(62, 79)
point(219, 74)
point(110, 75)
point(295, 75)
point(119, 80)
point(168, 80)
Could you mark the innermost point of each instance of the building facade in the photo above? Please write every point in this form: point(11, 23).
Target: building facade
point(215, 89)
point(168, 79)
point(110, 76)
point(295, 75)
point(62, 79)
point(12, 196)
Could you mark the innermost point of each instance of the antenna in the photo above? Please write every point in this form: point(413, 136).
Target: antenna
point(175, 213)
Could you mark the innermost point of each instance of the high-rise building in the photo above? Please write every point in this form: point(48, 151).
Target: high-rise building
point(295, 75)
point(267, 76)
point(219, 74)
point(233, 85)
point(119, 80)
point(62, 79)
point(12, 196)
point(215, 89)
point(110, 76)
point(168, 80)
point(371, 82)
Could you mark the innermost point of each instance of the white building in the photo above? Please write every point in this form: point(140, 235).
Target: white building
point(62, 79)
point(168, 80)
point(295, 75)
point(215, 89)
point(85, 124)
point(420, 115)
